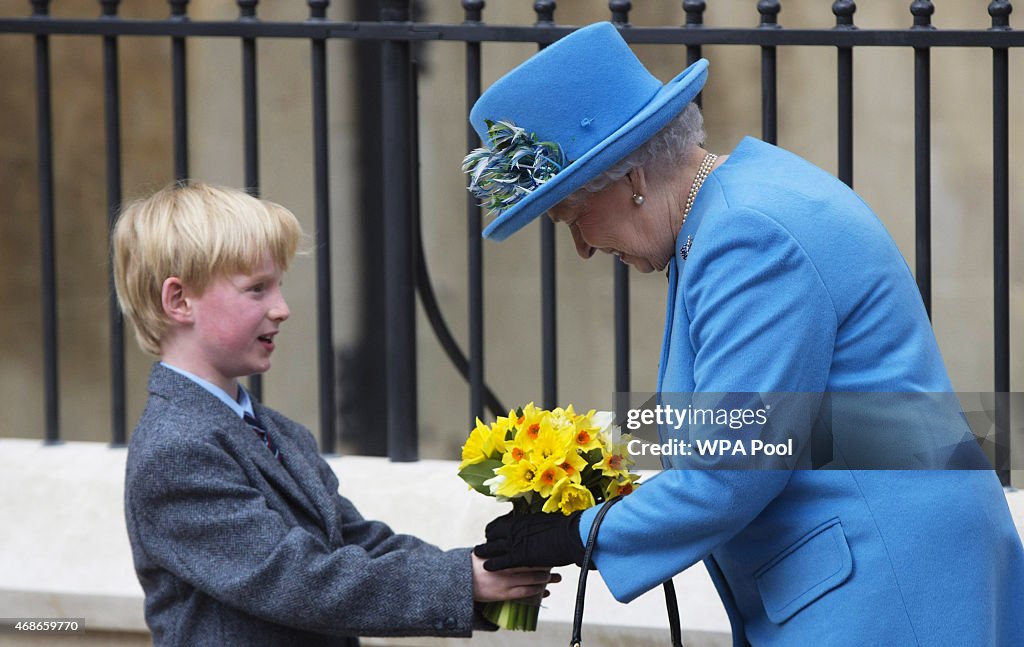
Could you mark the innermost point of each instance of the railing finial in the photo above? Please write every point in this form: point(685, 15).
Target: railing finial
point(474, 10)
point(318, 9)
point(40, 7)
point(247, 8)
point(178, 8)
point(844, 10)
point(109, 8)
point(922, 11)
point(1000, 11)
point(620, 11)
point(545, 10)
point(769, 10)
point(694, 10)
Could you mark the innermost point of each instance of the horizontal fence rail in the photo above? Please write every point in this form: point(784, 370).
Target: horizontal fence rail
point(406, 269)
point(482, 33)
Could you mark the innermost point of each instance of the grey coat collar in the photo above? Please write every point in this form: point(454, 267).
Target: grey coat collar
point(295, 477)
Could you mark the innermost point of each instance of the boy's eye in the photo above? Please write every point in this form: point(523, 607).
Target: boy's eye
point(256, 288)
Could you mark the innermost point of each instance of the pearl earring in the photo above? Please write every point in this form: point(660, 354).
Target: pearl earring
point(638, 199)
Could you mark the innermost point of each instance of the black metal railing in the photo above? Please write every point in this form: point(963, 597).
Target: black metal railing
point(406, 271)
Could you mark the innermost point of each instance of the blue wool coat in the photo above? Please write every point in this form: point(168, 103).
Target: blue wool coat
point(233, 547)
point(791, 284)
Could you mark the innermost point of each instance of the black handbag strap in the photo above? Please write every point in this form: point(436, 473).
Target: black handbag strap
point(581, 589)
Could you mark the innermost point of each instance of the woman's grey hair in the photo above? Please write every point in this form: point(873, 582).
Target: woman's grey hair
point(667, 148)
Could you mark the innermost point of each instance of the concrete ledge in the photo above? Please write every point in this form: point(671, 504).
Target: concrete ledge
point(65, 549)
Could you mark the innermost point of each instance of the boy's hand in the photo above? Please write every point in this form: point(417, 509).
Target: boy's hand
point(511, 583)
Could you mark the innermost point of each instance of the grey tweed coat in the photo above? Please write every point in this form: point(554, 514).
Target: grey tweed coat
point(234, 548)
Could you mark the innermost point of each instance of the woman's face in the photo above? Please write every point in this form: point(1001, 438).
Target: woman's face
point(609, 221)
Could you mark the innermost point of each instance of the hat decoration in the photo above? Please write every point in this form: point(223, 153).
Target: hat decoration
point(511, 166)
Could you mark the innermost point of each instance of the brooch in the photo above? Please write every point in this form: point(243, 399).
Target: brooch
point(684, 251)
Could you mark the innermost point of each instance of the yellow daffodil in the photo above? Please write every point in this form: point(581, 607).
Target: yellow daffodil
point(611, 465)
point(526, 436)
point(586, 434)
point(513, 454)
point(478, 447)
point(562, 418)
point(573, 465)
point(547, 475)
point(530, 415)
point(519, 478)
point(527, 426)
point(618, 487)
point(568, 497)
point(537, 458)
point(551, 443)
point(621, 448)
point(499, 433)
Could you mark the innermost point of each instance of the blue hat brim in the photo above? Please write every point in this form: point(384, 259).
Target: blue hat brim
point(661, 109)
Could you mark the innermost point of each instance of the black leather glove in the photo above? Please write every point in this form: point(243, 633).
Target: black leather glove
point(538, 539)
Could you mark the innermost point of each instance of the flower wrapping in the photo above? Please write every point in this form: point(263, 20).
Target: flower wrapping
point(554, 461)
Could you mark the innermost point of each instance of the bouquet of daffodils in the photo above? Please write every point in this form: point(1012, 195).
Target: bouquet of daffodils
point(553, 461)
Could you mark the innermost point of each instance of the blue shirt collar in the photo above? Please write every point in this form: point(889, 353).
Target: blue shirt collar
point(241, 406)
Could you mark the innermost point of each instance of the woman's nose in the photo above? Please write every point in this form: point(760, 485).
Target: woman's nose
point(584, 250)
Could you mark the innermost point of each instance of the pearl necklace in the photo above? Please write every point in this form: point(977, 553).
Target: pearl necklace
point(698, 180)
point(702, 174)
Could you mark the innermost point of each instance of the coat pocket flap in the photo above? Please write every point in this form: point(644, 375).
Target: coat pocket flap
point(812, 566)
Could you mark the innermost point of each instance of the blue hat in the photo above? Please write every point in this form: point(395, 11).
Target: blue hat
point(563, 117)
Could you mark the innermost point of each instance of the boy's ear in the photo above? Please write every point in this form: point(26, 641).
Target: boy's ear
point(176, 305)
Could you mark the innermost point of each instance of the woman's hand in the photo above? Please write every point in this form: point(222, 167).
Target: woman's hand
point(537, 539)
point(510, 584)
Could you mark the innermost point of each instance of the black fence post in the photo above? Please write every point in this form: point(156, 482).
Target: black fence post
point(48, 286)
point(400, 322)
point(843, 10)
point(769, 10)
point(112, 114)
point(922, 11)
point(322, 209)
point(250, 129)
point(694, 10)
point(620, 271)
point(474, 242)
point(179, 93)
point(1000, 12)
point(545, 10)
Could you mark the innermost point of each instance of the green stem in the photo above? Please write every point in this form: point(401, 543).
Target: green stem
point(516, 615)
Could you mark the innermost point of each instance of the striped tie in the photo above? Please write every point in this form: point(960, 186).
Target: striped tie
point(255, 425)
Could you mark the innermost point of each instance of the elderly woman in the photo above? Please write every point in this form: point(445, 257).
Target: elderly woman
point(780, 279)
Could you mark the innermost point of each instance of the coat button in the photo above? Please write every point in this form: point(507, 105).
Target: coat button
point(450, 623)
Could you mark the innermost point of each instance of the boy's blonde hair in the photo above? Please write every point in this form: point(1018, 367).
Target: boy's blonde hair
point(195, 232)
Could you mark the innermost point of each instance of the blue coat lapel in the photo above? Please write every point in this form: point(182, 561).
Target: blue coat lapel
point(678, 353)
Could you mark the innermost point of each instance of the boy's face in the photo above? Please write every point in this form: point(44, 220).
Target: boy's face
point(235, 321)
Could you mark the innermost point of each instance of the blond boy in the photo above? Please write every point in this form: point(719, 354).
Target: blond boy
point(238, 533)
